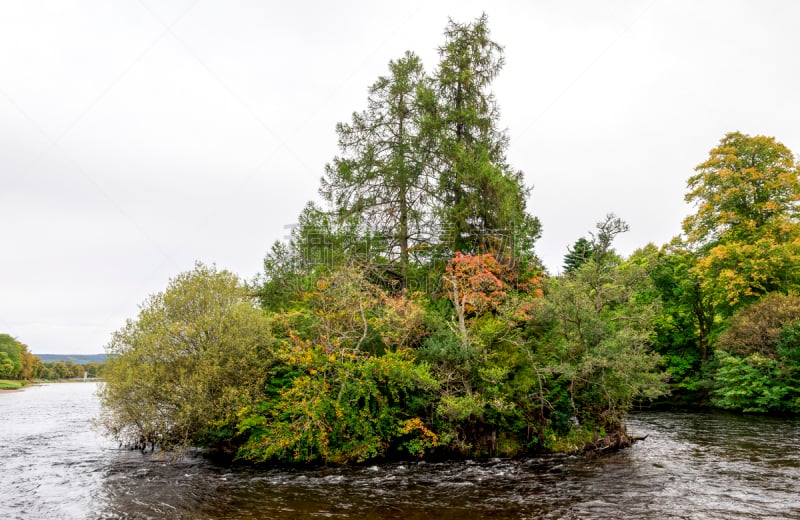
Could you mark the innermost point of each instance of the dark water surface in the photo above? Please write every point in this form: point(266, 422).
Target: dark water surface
point(52, 466)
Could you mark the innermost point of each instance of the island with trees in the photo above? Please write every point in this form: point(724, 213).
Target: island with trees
point(410, 317)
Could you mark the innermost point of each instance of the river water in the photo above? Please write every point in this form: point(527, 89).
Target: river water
point(53, 465)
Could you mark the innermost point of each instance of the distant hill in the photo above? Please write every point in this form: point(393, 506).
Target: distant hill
point(80, 359)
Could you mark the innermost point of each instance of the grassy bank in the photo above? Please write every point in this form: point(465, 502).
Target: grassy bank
point(11, 385)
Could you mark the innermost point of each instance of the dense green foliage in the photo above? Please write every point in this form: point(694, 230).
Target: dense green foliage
point(10, 350)
point(603, 318)
point(347, 380)
point(411, 317)
point(496, 362)
point(759, 357)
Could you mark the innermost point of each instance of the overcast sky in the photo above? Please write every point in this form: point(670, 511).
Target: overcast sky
point(139, 136)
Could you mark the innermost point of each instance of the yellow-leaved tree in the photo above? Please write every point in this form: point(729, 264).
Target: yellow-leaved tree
point(746, 230)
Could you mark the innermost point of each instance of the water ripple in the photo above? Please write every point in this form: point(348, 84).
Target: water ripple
point(697, 466)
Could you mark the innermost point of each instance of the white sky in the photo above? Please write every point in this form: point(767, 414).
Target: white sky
point(139, 136)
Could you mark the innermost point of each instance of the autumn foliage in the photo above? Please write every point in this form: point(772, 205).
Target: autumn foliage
point(482, 283)
point(475, 282)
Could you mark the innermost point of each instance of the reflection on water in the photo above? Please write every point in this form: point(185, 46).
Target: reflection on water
point(690, 466)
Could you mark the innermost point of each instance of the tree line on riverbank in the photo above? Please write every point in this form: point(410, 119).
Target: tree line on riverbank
point(410, 317)
point(19, 364)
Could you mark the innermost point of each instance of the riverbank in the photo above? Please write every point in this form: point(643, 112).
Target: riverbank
point(8, 384)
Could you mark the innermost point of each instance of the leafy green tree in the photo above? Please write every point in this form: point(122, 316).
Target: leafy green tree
point(597, 348)
point(93, 369)
point(746, 226)
point(23, 363)
point(382, 178)
point(684, 325)
point(748, 384)
point(12, 349)
point(38, 368)
point(197, 353)
point(6, 365)
point(57, 370)
point(482, 199)
point(689, 308)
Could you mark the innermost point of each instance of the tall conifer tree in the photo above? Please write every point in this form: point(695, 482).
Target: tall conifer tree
point(381, 178)
point(482, 198)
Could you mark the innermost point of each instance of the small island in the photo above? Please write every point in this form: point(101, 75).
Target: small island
point(411, 317)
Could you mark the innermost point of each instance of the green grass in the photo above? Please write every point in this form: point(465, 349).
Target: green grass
point(6, 384)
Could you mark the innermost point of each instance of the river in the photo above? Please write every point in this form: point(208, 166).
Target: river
point(53, 466)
